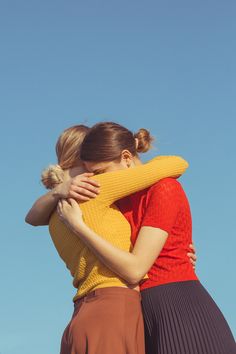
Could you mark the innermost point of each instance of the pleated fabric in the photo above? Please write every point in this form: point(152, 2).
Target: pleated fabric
point(182, 318)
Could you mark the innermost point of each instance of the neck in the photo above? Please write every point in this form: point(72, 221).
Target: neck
point(74, 171)
point(137, 161)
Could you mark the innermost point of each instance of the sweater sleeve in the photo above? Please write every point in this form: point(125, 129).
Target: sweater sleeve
point(118, 184)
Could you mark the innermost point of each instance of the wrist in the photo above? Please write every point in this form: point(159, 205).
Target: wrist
point(56, 192)
point(80, 227)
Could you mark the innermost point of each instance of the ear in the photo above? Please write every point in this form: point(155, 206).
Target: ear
point(126, 157)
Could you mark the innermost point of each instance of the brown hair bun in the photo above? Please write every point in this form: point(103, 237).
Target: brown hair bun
point(106, 140)
point(144, 140)
point(52, 176)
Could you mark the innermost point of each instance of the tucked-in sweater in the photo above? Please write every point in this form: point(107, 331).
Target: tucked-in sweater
point(104, 217)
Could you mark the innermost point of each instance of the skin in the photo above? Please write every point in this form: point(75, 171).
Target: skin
point(77, 185)
point(130, 266)
point(80, 187)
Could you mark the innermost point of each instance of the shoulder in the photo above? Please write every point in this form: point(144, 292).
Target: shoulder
point(166, 189)
point(165, 184)
point(167, 194)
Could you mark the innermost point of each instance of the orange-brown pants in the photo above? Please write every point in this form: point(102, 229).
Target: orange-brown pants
point(106, 321)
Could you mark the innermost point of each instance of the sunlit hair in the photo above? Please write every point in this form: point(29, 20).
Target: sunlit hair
point(68, 155)
point(105, 142)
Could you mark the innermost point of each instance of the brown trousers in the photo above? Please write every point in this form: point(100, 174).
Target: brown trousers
point(106, 321)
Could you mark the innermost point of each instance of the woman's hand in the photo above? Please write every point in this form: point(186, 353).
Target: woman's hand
point(70, 213)
point(192, 255)
point(82, 188)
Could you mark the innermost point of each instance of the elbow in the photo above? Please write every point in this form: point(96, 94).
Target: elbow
point(30, 221)
point(135, 277)
point(185, 164)
point(132, 281)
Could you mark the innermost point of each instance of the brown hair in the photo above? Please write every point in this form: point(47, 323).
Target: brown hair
point(106, 141)
point(68, 155)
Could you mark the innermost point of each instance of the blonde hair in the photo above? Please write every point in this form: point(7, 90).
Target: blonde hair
point(68, 155)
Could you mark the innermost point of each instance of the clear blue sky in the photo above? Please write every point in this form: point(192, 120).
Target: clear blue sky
point(168, 66)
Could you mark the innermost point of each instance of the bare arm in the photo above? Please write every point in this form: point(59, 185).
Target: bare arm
point(157, 223)
point(80, 187)
point(40, 212)
point(130, 266)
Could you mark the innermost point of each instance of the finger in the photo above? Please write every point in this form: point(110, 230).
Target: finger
point(192, 261)
point(69, 201)
point(59, 205)
point(72, 202)
point(65, 206)
point(192, 256)
point(58, 209)
point(65, 202)
point(84, 192)
point(79, 197)
point(84, 178)
point(88, 174)
point(192, 246)
point(91, 181)
point(88, 186)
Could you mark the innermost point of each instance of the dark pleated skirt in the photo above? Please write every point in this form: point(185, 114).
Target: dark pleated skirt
point(182, 318)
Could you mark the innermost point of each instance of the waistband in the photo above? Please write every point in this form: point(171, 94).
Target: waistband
point(115, 290)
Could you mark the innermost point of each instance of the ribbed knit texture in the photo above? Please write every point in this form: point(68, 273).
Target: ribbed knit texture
point(101, 215)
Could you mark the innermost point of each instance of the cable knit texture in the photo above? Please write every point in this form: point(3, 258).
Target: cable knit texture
point(104, 217)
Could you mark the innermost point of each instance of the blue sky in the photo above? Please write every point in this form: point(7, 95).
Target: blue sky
point(168, 66)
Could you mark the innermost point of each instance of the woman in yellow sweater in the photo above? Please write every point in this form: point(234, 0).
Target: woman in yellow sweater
point(107, 316)
point(180, 316)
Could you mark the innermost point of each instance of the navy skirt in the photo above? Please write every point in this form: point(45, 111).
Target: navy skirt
point(182, 318)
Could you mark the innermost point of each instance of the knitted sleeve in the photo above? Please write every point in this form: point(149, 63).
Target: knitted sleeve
point(118, 184)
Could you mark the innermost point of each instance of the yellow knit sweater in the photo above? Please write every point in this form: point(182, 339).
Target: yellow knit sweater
point(101, 215)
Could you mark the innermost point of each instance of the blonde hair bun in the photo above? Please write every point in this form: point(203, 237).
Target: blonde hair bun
point(52, 176)
point(144, 140)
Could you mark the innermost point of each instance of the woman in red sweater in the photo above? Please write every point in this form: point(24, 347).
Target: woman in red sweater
point(180, 316)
